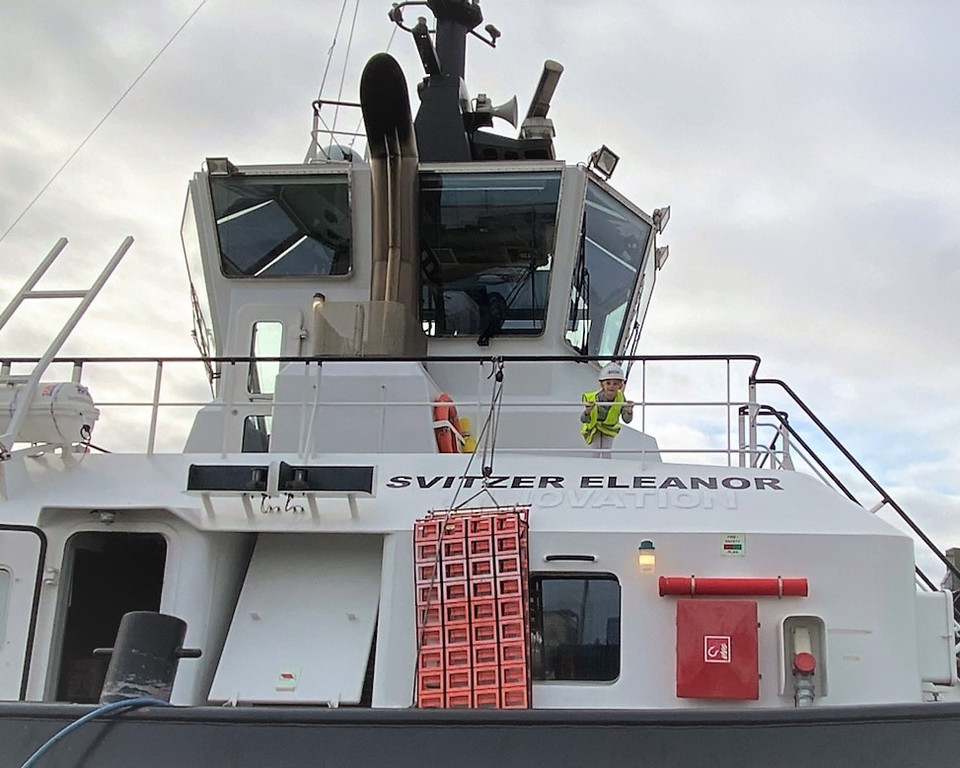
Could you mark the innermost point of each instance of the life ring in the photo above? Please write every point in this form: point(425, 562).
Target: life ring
point(446, 425)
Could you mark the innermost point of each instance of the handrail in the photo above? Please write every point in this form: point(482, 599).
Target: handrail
point(35, 604)
point(748, 408)
point(859, 467)
point(241, 359)
point(767, 410)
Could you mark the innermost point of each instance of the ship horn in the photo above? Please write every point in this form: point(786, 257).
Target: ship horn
point(507, 111)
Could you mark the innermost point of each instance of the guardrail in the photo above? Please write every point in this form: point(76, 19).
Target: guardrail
point(752, 433)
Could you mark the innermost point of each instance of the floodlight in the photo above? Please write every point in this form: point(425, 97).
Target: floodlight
point(660, 218)
point(604, 161)
point(661, 255)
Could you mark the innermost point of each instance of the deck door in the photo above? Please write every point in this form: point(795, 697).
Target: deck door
point(21, 550)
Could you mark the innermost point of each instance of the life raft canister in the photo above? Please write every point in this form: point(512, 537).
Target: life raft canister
point(446, 425)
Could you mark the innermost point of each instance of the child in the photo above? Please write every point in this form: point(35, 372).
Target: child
point(600, 421)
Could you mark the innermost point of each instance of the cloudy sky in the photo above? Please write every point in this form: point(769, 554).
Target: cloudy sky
point(808, 150)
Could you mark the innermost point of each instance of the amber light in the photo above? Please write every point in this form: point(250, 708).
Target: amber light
point(647, 556)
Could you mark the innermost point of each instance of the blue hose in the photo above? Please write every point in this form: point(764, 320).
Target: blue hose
point(105, 709)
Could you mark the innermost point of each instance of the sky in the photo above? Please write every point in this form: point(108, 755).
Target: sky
point(808, 150)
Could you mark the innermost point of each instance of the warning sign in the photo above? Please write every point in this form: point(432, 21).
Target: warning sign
point(734, 545)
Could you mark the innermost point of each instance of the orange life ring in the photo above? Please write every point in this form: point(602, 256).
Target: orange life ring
point(446, 425)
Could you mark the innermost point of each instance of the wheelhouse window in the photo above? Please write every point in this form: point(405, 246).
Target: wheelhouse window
point(270, 226)
point(575, 627)
point(613, 245)
point(487, 244)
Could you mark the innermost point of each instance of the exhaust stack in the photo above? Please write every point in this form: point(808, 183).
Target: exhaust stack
point(388, 324)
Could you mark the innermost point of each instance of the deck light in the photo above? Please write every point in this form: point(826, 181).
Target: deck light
point(647, 556)
point(661, 255)
point(604, 161)
point(660, 218)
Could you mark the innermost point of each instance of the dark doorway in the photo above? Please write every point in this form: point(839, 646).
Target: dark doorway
point(112, 574)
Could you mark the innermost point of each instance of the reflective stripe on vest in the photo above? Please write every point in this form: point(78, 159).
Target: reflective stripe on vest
point(610, 425)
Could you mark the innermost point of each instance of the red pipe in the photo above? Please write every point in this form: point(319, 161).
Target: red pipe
point(693, 585)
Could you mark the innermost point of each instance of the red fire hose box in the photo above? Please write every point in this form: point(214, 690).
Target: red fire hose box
point(717, 649)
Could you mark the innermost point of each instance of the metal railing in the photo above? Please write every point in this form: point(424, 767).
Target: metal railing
point(143, 384)
point(751, 434)
point(797, 445)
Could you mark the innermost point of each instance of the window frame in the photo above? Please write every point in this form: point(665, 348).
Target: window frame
point(632, 305)
point(499, 169)
point(277, 176)
point(538, 643)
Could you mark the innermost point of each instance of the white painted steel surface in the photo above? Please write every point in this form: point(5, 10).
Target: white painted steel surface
point(19, 552)
point(307, 611)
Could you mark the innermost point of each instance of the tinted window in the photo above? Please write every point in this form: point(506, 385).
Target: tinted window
point(487, 249)
point(256, 434)
point(266, 340)
point(613, 245)
point(271, 226)
point(575, 627)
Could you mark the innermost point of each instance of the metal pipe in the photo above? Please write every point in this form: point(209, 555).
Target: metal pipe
point(776, 586)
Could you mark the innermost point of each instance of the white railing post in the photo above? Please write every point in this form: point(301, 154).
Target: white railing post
point(155, 409)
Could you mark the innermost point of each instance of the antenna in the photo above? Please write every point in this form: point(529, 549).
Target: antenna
point(537, 125)
point(540, 104)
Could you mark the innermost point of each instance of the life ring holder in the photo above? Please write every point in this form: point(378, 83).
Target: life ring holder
point(446, 425)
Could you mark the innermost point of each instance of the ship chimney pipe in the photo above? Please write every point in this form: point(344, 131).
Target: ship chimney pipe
point(394, 168)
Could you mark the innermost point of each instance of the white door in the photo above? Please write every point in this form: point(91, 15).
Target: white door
point(19, 567)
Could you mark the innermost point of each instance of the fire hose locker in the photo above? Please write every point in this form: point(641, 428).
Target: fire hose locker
point(717, 649)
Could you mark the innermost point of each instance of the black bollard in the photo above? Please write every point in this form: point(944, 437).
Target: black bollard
point(144, 659)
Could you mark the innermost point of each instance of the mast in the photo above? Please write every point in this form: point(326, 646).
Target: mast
point(447, 125)
point(441, 135)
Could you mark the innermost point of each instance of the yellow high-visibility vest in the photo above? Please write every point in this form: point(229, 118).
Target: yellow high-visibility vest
point(610, 425)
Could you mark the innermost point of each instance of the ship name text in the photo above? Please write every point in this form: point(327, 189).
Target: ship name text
point(587, 481)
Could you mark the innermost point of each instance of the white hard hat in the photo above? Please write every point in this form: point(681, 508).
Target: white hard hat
point(611, 371)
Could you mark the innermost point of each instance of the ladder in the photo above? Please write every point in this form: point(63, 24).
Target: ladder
point(32, 381)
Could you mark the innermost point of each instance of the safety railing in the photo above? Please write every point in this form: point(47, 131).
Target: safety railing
point(847, 476)
point(158, 397)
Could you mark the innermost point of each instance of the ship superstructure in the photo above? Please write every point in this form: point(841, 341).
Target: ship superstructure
point(388, 504)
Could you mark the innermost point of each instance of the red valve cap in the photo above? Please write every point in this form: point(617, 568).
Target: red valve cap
point(804, 664)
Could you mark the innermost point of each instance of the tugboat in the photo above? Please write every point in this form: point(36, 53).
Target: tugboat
point(391, 533)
